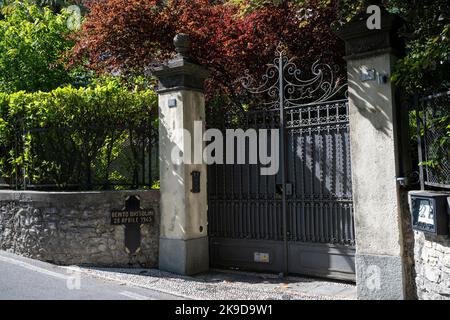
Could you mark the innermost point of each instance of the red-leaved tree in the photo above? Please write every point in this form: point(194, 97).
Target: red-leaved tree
point(130, 35)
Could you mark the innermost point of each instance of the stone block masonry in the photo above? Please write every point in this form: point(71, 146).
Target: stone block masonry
point(432, 255)
point(75, 227)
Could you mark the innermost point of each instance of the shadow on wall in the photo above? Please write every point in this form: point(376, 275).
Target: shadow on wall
point(370, 103)
point(377, 119)
point(169, 178)
point(185, 210)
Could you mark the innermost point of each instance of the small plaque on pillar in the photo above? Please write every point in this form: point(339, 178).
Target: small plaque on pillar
point(367, 75)
point(172, 103)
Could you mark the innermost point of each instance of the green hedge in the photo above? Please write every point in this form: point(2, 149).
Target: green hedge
point(87, 138)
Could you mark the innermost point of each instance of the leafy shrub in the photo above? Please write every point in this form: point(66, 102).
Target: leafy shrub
point(33, 41)
point(435, 135)
point(86, 138)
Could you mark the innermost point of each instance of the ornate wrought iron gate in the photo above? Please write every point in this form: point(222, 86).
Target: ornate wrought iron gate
point(299, 220)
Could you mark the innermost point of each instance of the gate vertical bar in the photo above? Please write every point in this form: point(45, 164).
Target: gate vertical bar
point(282, 160)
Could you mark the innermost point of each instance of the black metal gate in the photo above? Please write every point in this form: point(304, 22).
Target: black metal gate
point(299, 220)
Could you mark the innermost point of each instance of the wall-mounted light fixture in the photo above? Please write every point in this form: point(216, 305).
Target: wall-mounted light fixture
point(172, 103)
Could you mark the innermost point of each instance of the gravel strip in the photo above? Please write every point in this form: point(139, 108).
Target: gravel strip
point(218, 285)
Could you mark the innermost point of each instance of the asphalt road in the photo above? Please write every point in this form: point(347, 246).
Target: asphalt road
point(26, 279)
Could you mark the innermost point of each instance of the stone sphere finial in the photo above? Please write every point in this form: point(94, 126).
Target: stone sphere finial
point(182, 44)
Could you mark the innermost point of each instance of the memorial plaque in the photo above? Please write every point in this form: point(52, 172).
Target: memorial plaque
point(132, 213)
point(132, 216)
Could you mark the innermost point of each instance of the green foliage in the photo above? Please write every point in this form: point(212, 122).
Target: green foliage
point(156, 185)
point(71, 136)
point(425, 68)
point(437, 137)
point(55, 5)
point(32, 43)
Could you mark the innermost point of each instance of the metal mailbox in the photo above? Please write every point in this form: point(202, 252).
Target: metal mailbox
point(429, 211)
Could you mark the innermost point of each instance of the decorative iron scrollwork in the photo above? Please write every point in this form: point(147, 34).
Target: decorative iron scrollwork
point(284, 83)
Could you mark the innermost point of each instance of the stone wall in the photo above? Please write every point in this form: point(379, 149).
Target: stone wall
point(408, 250)
point(432, 257)
point(75, 227)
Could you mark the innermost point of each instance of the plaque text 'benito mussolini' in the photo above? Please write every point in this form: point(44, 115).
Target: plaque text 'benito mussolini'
point(132, 213)
point(129, 217)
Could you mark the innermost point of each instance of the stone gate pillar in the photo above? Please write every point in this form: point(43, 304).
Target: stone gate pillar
point(183, 247)
point(384, 267)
